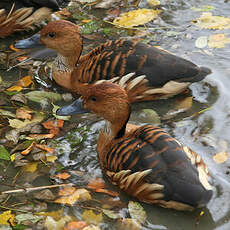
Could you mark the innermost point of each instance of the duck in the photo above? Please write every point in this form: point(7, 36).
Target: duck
point(20, 15)
point(143, 161)
point(166, 74)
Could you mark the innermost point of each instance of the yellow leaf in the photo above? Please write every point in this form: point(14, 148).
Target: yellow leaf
point(221, 157)
point(68, 199)
point(153, 3)
point(91, 218)
point(5, 217)
point(136, 17)
point(12, 157)
point(218, 41)
point(56, 215)
point(208, 21)
point(51, 158)
point(185, 104)
point(30, 167)
point(86, 20)
point(17, 88)
point(25, 81)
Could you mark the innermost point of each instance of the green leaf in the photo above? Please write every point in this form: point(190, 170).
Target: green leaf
point(38, 96)
point(137, 212)
point(32, 218)
point(19, 227)
point(4, 154)
point(6, 113)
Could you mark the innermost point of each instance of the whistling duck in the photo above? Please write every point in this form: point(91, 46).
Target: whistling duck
point(19, 15)
point(166, 74)
point(145, 162)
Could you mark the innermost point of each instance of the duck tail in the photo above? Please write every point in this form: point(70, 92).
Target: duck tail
point(203, 72)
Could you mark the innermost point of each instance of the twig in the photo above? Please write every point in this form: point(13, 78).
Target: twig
point(35, 188)
point(14, 209)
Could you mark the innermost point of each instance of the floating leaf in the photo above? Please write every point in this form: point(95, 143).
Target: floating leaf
point(51, 224)
point(218, 40)
point(4, 154)
point(53, 125)
point(63, 176)
point(45, 147)
point(38, 96)
point(30, 167)
point(221, 157)
point(91, 218)
point(137, 212)
point(204, 8)
point(153, 3)
point(111, 214)
point(106, 191)
point(75, 225)
point(24, 217)
point(185, 104)
point(201, 42)
point(17, 88)
point(96, 183)
point(128, 223)
point(208, 21)
point(51, 158)
point(66, 191)
point(136, 17)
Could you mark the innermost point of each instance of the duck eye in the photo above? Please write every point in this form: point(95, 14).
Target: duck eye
point(93, 99)
point(51, 34)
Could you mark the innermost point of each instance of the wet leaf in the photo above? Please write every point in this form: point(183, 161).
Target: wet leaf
point(128, 223)
point(66, 191)
point(204, 8)
point(45, 194)
point(25, 81)
point(153, 3)
point(51, 158)
point(218, 41)
point(53, 125)
point(91, 217)
point(221, 157)
point(201, 42)
point(13, 48)
point(106, 191)
point(41, 136)
point(91, 227)
point(136, 17)
point(29, 149)
point(55, 108)
point(51, 224)
point(208, 21)
point(96, 183)
point(75, 225)
point(4, 154)
point(6, 113)
point(38, 96)
point(5, 217)
point(24, 113)
point(137, 212)
point(45, 147)
point(111, 214)
point(17, 88)
point(15, 123)
point(63, 176)
point(185, 104)
point(19, 97)
point(31, 167)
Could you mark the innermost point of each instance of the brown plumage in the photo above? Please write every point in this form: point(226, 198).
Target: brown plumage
point(145, 162)
point(166, 74)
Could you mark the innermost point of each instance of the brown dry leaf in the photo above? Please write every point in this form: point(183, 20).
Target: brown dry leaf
point(66, 191)
point(185, 104)
point(218, 41)
point(136, 17)
point(91, 218)
point(96, 183)
point(25, 81)
point(22, 58)
point(13, 48)
point(63, 176)
point(53, 126)
point(45, 147)
point(75, 225)
point(208, 21)
point(128, 223)
point(106, 191)
point(221, 157)
point(17, 88)
point(41, 136)
point(30, 167)
point(24, 113)
point(27, 151)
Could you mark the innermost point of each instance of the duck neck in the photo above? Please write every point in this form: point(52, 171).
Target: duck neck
point(64, 63)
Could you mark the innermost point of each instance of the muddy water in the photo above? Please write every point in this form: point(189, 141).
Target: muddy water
point(207, 133)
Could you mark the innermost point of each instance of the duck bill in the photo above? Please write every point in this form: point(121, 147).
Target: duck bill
point(75, 108)
point(31, 42)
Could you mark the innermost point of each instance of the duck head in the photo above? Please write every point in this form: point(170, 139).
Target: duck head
point(108, 100)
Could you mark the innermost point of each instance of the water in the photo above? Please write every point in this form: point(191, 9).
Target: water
point(207, 134)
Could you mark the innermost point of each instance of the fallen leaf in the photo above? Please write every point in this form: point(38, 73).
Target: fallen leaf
point(106, 191)
point(137, 212)
point(27, 151)
point(91, 218)
point(208, 21)
point(136, 17)
point(4, 154)
point(24, 113)
point(13, 48)
point(51, 224)
point(63, 176)
point(111, 214)
point(27, 216)
point(45, 147)
point(221, 157)
point(204, 8)
point(6, 113)
point(51, 158)
point(75, 225)
point(25, 81)
point(56, 215)
point(128, 223)
point(153, 3)
point(218, 41)
point(5, 217)
point(55, 108)
point(38, 96)
point(185, 104)
point(96, 183)
point(22, 58)
point(17, 88)
point(41, 136)
point(66, 191)
point(30, 167)
point(91, 227)
point(201, 42)
point(53, 126)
